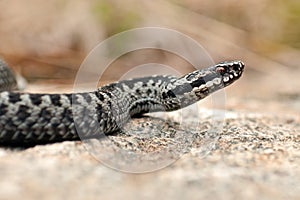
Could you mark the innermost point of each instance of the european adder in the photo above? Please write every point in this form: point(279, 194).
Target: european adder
point(31, 119)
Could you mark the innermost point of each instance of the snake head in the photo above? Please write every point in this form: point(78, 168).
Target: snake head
point(215, 77)
point(229, 71)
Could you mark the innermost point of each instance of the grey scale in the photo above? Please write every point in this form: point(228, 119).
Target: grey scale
point(28, 119)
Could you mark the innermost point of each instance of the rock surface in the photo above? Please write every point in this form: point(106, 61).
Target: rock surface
point(251, 153)
point(254, 155)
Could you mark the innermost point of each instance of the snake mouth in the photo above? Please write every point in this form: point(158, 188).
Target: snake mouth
point(230, 71)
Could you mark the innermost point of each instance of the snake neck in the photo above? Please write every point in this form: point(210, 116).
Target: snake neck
point(189, 89)
point(137, 96)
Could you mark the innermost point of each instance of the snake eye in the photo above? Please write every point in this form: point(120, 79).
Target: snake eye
point(220, 70)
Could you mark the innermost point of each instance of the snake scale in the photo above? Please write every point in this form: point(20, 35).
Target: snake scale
point(28, 119)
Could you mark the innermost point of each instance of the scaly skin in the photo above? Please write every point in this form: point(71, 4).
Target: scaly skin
point(31, 119)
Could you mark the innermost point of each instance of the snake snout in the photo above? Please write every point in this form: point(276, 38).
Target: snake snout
point(238, 66)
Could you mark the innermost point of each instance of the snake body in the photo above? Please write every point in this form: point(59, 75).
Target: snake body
point(31, 119)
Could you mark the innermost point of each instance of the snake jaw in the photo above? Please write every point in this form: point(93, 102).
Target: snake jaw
point(230, 71)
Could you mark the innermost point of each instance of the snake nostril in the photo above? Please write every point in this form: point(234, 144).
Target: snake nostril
point(237, 67)
point(242, 65)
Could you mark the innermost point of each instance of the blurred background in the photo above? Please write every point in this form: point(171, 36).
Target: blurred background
point(46, 41)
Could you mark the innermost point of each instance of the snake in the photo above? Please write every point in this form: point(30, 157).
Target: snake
point(29, 119)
